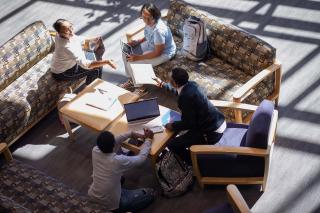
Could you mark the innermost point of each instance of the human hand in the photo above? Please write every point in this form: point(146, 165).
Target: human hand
point(111, 64)
point(132, 57)
point(158, 81)
point(136, 135)
point(169, 126)
point(133, 43)
point(148, 133)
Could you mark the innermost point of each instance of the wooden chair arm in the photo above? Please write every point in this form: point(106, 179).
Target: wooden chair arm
point(239, 95)
point(131, 34)
point(210, 149)
point(233, 105)
point(52, 33)
point(5, 150)
point(236, 199)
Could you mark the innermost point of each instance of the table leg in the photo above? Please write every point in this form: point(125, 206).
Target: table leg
point(66, 124)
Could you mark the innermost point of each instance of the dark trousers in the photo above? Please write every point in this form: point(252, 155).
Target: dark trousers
point(180, 145)
point(77, 72)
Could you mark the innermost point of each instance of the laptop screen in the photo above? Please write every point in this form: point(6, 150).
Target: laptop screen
point(139, 110)
point(126, 49)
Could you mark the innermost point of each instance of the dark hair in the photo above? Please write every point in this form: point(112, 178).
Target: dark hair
point(105, 142)
point(179, 76)
point(58, 24)
point(152, 9)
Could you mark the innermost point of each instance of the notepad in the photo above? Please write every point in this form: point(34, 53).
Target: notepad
point(142, 74)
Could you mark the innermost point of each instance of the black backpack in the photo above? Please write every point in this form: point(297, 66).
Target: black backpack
point(174, 175)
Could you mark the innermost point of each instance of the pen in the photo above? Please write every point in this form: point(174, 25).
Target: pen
point(95, 107)
point(102, 91)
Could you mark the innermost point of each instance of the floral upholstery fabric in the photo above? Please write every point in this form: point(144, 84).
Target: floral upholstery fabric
point(23, 51)
point(237, 57)
point(230, 43)
point(38, 192)
point(28, 98)
point(27, 89)
point(216, 77)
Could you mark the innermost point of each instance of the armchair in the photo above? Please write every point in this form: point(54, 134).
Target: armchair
point(243, 154)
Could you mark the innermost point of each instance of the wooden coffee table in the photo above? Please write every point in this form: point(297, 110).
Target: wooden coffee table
point(82, 110)
point(160, 140)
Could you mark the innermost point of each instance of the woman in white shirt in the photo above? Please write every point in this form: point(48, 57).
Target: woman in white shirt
point(69, 61)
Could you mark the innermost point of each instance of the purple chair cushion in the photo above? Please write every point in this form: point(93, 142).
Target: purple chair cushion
point(231, 165)
point(222, 208)
point(257, 135)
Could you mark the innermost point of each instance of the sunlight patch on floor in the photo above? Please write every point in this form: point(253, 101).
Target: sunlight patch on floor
point(34, 152)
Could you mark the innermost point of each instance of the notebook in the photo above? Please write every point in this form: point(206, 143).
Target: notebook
point(142, 74)
point(126, 48)
point(142, 111)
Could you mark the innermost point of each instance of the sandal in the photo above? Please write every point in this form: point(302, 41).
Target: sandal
point(127, 85)
point(141, 91)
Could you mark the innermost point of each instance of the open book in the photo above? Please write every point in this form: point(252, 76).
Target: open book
point(142, 74)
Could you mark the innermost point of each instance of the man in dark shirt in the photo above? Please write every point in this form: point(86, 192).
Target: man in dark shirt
point(204, 123)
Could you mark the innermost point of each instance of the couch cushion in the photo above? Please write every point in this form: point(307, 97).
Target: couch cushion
point(231, 165)
point(28, 98)
point(218, 78)
point(40, 193)
point(258, 131)
point(230, 43)
point(23, 51)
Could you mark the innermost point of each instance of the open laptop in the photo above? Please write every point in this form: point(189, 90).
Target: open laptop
point(126, 48)
point(140, 112)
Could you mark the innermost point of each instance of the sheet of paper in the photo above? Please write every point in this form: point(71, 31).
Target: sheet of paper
point(100, 101)
point(143, 74)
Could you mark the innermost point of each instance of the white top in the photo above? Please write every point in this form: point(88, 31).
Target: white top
point(108, 169)
point(68, 53)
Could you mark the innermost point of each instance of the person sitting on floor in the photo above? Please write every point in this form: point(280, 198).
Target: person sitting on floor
point(204, 123)
point(108, 168)
point(69, 61)
point(155, 48)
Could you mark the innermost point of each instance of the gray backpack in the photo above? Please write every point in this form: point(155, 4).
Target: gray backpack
point(174, 175)
point(195, 42)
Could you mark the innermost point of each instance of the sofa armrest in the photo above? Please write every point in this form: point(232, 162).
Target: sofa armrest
point(239, 95)
point(236, 199)
point(5, 150)
point(131, 33)
point(52, 33)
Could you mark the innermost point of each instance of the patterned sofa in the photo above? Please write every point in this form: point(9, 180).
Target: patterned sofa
point(243, 68)
point(27, 90)
point(26, 189)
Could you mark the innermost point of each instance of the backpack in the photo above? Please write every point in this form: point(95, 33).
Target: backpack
point(174, 175)
point(195, 42)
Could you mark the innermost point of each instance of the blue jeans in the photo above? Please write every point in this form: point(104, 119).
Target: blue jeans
point(135, 200)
